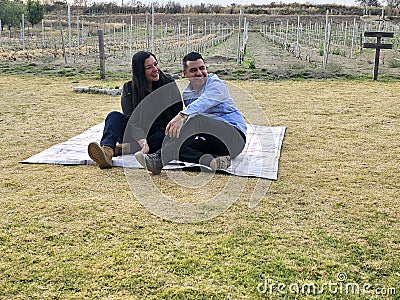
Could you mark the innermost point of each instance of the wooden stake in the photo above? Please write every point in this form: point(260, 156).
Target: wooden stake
point(102, 54)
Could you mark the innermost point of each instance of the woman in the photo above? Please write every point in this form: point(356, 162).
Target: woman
point(146, 77)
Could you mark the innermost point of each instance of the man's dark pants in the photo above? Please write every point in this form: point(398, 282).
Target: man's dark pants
point(201, 135)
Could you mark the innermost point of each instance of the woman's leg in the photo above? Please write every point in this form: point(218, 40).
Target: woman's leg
point(114, 129)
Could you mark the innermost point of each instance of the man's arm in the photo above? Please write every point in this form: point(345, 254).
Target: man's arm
point(174, 126)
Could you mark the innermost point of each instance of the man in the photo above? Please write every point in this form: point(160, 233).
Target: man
point(210, 131)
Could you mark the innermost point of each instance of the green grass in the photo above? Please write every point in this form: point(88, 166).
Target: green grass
point(77, 232)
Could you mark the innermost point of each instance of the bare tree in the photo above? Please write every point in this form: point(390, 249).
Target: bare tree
point(372, 3)
point(393, 3)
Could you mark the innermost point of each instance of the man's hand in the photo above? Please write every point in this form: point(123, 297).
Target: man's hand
point(143, 144)
point(174, 126)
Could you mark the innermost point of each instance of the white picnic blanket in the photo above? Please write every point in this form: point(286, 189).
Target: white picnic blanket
point(259, 158)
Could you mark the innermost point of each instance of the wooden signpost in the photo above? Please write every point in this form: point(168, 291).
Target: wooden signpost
point(378, 46)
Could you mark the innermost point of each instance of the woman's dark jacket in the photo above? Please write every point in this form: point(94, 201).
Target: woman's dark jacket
point(154, 111)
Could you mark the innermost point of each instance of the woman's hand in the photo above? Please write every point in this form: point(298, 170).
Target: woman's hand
point(174, 126)
point(143, 144)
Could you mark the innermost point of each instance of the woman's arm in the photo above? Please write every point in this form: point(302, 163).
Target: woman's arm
point(127, 98)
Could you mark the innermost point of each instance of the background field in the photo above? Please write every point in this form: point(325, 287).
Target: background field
point(78, 233)
point(267, 57)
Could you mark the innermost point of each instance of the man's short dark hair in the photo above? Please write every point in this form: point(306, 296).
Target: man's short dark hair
point(192, 56)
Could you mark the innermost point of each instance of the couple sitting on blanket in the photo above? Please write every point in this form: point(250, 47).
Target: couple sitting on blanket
point(210, 130)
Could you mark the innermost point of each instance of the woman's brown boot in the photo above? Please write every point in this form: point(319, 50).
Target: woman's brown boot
point(102, 155)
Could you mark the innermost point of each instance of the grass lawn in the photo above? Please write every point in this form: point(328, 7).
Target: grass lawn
point(330, 222)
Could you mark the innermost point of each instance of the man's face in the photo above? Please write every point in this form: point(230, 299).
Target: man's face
point(196, 72)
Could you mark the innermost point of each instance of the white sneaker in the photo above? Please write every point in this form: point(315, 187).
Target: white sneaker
point(220, 163)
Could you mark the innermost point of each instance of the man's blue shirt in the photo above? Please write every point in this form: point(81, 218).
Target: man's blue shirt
point(213, 100)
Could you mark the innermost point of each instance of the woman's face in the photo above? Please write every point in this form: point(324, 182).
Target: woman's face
point(151, 69)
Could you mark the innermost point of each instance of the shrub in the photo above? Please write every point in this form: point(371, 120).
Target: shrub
point(320, 49)
point(394, 63)
point(338, 51)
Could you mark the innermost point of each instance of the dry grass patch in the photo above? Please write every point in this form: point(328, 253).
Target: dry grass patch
point(78, 233)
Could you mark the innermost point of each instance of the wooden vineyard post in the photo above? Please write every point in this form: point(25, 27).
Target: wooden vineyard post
point(326, 40)
point(205, 36)
point(69, 34)
point(239, 60)
point(378, 46)
point(43, 36)
point(102, 55)
point(23, 32)
point(78, 37)
point(152, 27)
point(131, 37)
point(188, 35)
point(353, 38)
point(62, 37)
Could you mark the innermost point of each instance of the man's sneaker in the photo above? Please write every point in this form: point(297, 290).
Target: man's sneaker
point(151, 162)
point(220, 163)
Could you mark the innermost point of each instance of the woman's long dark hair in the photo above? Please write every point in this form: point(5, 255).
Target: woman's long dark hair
point(139, 79)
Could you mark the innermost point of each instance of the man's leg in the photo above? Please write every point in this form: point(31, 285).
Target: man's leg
point(155, 139)
point(199, 136)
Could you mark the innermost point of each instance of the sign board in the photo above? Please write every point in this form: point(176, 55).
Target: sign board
point(378, 46)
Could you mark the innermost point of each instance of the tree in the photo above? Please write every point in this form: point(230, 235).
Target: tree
point(11, 13)
point(173, 7)
point(373, 3)
point(35, 11)
point(393, 3)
